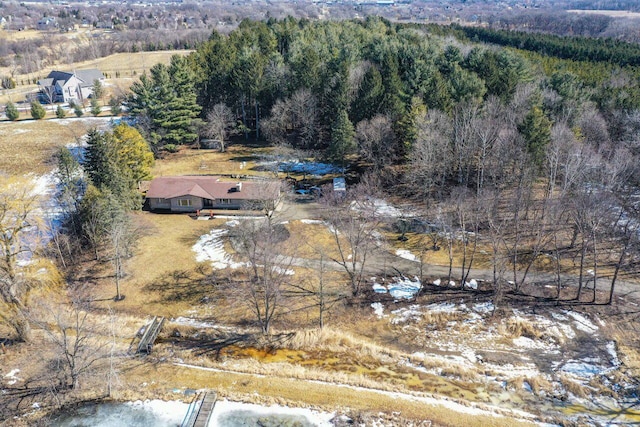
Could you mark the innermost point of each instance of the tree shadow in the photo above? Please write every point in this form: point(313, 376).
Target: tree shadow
point(212, 344)
point(180, 285)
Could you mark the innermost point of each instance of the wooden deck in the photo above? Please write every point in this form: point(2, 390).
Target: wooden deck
point(150, 334)
point(200, 410)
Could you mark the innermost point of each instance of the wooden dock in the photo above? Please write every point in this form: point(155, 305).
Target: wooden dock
point(200, 410)
point(150, 334)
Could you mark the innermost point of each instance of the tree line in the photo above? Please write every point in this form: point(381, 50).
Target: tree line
point(576, 48)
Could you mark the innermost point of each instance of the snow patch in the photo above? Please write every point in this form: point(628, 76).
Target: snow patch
point(582, 369)
point(484, 307)
point(399, 287)
point(403, 315)
point(611, 349)
point(228, 413)
point(210, 247)
point(443, 307)
point(12, 376)
point(582, 323)
point(378, 309)
point(403, 253)
point(311, 221)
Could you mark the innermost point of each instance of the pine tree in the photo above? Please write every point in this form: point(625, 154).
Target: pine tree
point(12, 111)
point(99, 160)
point(343, 140)
point(95, 107)
point(60, 112)
point(184, 109)
point(536, 130)
point(37, 110)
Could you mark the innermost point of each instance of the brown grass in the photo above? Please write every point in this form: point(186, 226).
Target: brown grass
point(189, 161)
point(28, 146)
point(163, 278)
point(573, 386)
point(295, 392)
point(520, 328)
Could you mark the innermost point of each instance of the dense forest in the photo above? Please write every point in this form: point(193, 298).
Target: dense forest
point(537, 153)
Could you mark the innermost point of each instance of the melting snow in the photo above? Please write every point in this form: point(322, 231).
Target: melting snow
point(210, 247)
point(611, 349)
point(582, 323)
point(399, 287)
point(582, 369)
point(228, 413)
point(443, 307)
point(381, 289)
point(403, 315)
point(403, 253)
point(378, 309)
point(484, 307)
point(472, 284)
point(12, 376)
point(311, 221)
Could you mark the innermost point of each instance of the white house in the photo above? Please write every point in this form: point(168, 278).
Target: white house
point(63, 86)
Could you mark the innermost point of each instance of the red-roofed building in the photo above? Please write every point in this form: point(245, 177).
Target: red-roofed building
point(194, 193)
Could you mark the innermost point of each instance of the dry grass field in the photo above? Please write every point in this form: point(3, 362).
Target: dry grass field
point(28, 146)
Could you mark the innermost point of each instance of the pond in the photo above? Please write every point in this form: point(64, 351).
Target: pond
point(158, 413)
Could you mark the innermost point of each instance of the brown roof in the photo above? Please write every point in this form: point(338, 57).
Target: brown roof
point(210, 187)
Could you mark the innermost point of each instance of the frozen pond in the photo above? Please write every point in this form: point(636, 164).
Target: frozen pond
point(158, 413)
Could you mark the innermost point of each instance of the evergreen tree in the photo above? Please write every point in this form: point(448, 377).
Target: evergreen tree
point(78, 110)
point(183, 107)
point(164, 103)
point(114, 105)
point(406, 128)
point(12, 111)
point(100, 162)
point(536, 131)
point(98, 90)
point(370, 96)
point(37, 110)
point(60, 112)
point(95, 107)
point(343, 140)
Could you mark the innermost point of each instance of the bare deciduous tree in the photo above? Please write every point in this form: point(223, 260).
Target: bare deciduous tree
point(17, 203)
point(375, 141)
point(220, 123)
point(262, 243)
point(353, 221)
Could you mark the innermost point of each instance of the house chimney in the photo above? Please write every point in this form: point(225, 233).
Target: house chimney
point(239, 186)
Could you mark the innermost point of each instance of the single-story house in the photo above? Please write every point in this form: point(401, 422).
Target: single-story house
point(63, 86)
point(194, 193)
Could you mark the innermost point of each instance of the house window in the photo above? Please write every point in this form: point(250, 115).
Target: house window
point(225, 201)
point(184, 202)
